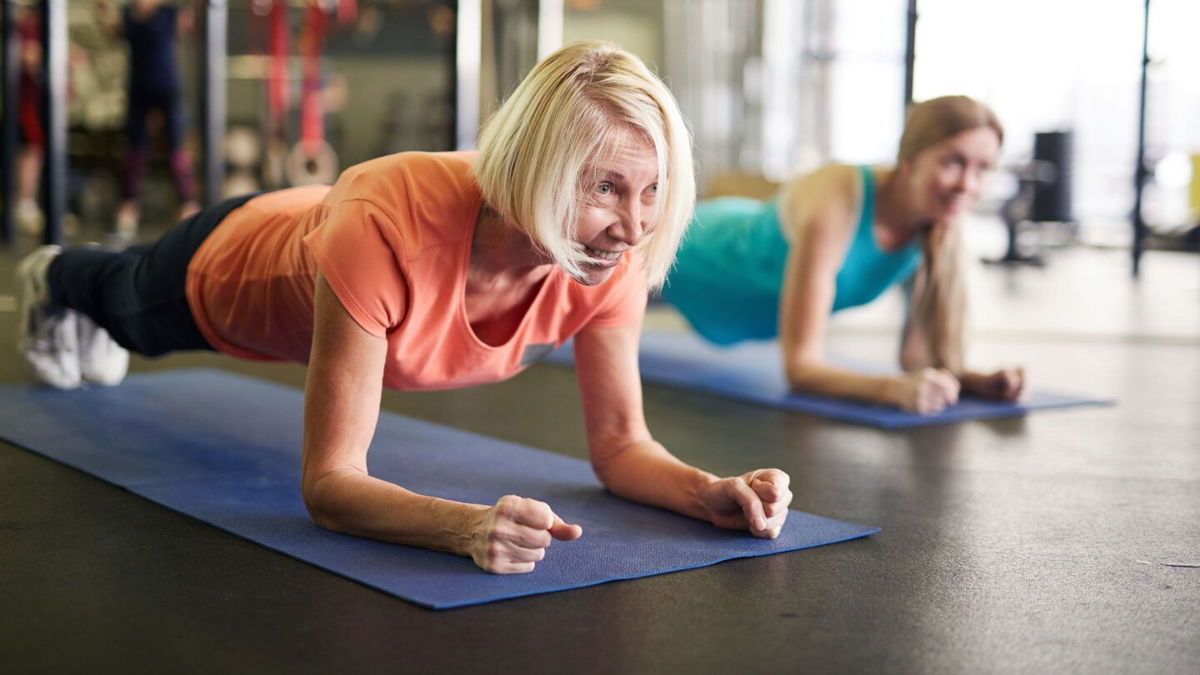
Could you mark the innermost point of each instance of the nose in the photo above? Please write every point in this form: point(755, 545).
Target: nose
point(629, 226)
point(970, 181)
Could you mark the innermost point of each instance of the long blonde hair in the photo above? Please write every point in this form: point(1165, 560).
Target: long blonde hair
point(939, 290)
point(536, 151)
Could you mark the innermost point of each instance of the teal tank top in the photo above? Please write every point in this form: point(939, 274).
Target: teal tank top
point(729, 271)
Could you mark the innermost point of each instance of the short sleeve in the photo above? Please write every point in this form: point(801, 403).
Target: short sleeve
point(625, 302)
point(360, 253)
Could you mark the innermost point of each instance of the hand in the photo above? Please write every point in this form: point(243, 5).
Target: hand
point(756, 501)
point(928, 390)
point(1006, 384)
point(512, 536)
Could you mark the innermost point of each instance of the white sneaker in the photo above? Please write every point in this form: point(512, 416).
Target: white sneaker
point(101, 360)
point(47, 336)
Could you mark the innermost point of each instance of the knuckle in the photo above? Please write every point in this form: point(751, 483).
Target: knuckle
point(507, 505)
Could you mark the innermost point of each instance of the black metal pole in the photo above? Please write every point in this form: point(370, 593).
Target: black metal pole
point(54, 117)
point(910, 53)
point(10, 90)
point(1139, 172)
point(211, 47)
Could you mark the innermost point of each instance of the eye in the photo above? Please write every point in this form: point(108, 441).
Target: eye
point(604, 189)
point(653, 189)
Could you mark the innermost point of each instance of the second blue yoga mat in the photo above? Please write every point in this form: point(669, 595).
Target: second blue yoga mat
point(752, 372)
point(226, 449)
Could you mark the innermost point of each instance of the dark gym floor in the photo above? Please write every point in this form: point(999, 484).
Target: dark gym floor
point(1023, 545)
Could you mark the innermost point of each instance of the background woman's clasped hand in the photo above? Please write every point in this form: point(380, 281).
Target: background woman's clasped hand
point(931, 390)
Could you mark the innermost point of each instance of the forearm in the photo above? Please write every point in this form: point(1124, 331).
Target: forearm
point(818, 378)
point(645, 472)
point(346, 500)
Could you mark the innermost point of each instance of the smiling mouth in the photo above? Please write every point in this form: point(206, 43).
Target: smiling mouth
point(606, 256)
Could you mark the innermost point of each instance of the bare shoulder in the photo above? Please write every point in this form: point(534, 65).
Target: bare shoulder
point(824, 199)
point(827, 176)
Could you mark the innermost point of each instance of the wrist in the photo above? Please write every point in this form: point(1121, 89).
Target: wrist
point(698, 495)
point(893, 389)
point(467, 532)
point(971, 383)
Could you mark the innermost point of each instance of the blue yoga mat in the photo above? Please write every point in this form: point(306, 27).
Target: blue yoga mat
point(226, 449)
point(753, 372)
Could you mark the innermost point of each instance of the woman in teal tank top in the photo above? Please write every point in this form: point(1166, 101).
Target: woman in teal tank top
point(839, 237)
point(728, 300)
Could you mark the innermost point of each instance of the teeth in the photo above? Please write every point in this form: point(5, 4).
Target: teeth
point(603, 255)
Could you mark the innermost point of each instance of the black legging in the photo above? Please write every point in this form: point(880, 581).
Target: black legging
point(138, 295)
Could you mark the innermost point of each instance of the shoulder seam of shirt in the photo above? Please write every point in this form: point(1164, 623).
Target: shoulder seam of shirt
point(410, 255)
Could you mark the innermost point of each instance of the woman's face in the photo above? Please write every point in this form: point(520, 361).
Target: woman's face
point(620, 204)
point(948, 175)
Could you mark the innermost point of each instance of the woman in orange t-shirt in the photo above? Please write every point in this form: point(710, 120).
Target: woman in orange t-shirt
point(426, 271)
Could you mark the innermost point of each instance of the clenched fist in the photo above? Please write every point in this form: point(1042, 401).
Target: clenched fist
point(756, 501)
point(511, 537)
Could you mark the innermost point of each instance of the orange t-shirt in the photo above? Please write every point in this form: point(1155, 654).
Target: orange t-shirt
point(393, 239)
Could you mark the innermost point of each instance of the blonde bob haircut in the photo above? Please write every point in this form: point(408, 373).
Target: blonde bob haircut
point(534, 165)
